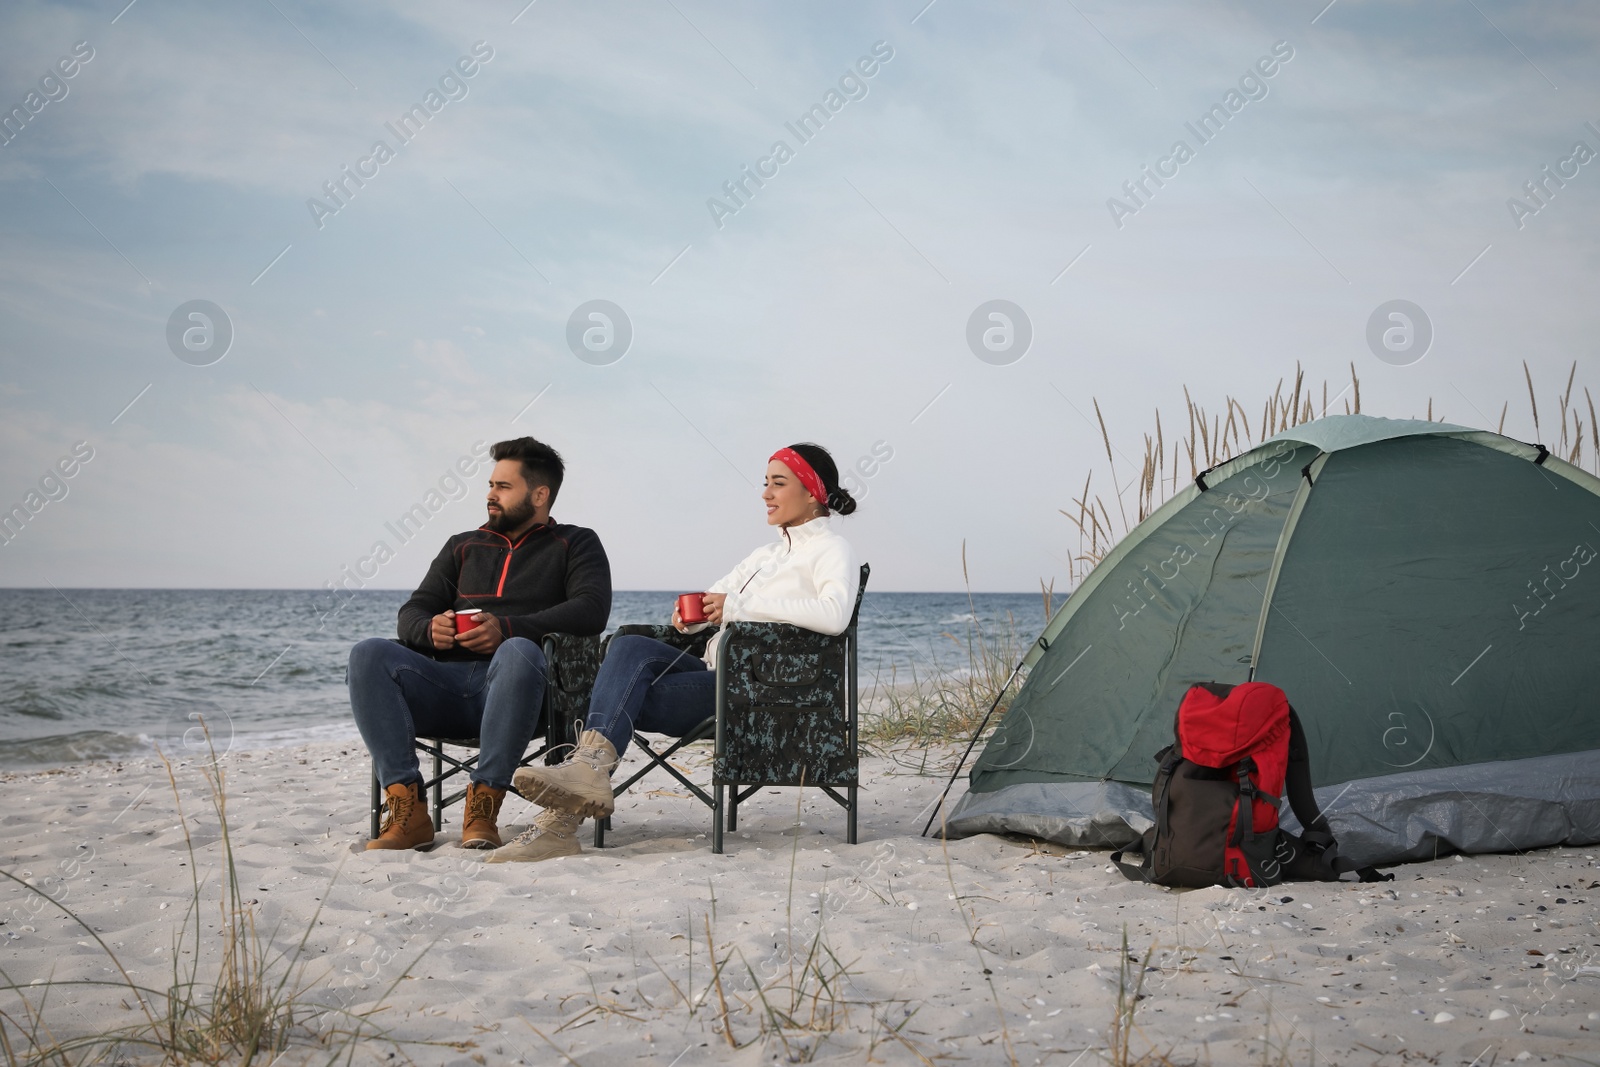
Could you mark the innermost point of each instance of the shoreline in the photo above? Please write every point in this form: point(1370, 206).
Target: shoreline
point(112, 746)
point(963, 947)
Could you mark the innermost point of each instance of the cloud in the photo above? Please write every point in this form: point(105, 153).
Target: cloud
point(433, 308)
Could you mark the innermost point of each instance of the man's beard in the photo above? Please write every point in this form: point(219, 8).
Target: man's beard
point(512, 517)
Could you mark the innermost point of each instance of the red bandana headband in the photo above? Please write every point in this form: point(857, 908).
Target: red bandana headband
point(802, 470)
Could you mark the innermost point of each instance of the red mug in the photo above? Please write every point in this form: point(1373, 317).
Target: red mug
point(691, 608)
point(466, 620)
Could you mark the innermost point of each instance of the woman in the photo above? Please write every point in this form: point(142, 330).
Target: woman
point(808, 577)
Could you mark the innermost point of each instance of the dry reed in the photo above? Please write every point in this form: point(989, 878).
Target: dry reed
point(908, 709)
point(252, 1009)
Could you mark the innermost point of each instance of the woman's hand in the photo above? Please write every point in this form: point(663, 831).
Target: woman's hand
point(713, 607)
point(710, 607)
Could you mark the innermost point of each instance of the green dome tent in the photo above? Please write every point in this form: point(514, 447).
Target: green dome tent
point(1429, 597)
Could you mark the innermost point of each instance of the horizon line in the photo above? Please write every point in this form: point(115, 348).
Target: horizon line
point(404, 589)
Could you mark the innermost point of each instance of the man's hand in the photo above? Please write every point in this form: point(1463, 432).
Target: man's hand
point(483, 638)
point(443, 631)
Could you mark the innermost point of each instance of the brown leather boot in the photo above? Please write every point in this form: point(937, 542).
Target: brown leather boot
point(478, 820)
point(408, 825)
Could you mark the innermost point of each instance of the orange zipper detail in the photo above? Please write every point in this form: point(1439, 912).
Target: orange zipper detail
point(510, 548)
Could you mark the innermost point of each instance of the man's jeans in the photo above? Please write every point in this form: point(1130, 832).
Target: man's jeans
point(397, 694)
point(645, 684)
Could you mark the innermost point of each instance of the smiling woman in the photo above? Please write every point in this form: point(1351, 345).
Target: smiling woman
point(807, 578)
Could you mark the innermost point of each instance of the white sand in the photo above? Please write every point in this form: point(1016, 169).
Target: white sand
point(1474, 960)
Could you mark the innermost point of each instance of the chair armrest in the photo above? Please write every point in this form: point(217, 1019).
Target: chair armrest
point(780, 637)
point(778, 662)
point(694, 644)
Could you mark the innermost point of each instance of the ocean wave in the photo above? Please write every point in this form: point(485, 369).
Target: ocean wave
point(31, 704)
point(62, 750)
point(59, 750)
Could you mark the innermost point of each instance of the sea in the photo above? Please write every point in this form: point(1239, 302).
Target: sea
point(104, 674)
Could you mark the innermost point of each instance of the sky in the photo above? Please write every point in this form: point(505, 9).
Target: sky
point(353, 347)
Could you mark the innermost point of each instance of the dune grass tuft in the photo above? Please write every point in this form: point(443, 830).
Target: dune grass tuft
point(932, 706)
point(250, 1007)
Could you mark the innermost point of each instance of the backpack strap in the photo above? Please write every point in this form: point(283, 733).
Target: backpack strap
point(1169, 758)
point(1297, 781)
point(1317, 835)
point(1253, 849)
point(1139, 872)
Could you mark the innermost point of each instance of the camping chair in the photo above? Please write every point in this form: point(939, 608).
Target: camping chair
point(570, 664)
point(785, 715)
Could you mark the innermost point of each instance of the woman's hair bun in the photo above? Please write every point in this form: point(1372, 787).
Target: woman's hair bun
point(821, 460)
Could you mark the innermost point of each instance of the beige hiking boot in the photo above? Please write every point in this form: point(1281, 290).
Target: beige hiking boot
point(408, 825)
point(554, 833)
point(479, 819)
point(581, 786)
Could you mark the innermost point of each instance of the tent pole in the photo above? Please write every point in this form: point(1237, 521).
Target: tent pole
point(1308, 478)
point(970, 744)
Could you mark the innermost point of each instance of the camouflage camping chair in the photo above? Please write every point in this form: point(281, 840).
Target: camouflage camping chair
point(785, 716)
point(571, 664)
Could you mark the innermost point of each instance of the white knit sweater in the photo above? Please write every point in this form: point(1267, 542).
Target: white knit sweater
point(808, 578)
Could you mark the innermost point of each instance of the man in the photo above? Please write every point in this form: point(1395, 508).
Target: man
point(528, 577)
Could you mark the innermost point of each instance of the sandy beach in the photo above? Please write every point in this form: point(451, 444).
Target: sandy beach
point(898, 949)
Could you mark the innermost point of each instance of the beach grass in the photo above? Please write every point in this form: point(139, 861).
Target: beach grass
point(914, 711)
point(798, 1004)
point(930, 706)
point(254, 1004)
point(1212, 437)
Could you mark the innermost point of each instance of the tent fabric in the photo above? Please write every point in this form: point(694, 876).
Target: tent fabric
point(1086, 814)
point(1501, 806)
point(1427, 595)
point(1489, 807)
point(1339, 432)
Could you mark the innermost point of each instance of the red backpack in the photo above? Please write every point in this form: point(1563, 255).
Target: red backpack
point(1216, 797)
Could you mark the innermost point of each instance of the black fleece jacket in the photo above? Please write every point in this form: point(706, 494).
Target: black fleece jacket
point(553, 579)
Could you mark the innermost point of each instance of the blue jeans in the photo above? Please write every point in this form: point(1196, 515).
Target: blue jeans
point(645, 684)
point(397, 693)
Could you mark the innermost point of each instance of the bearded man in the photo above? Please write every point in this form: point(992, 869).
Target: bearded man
point(524, 576)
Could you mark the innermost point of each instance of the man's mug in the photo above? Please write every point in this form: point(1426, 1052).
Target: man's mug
point(692, 608)
point(466, 620)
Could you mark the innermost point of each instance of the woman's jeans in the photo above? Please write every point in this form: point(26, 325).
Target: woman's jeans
point(397, 694)
point(645, 684)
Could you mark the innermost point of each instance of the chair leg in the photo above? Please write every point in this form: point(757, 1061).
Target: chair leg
point(716, 818)
point(556, 741)
point(733, 809)
point(601, 825)
point(850, 816)
point(438, 787)
point(376, 799)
